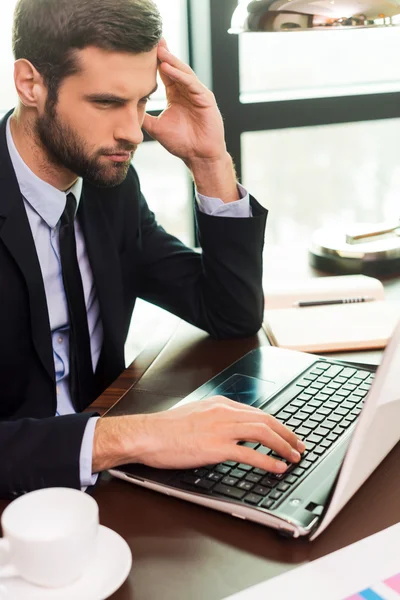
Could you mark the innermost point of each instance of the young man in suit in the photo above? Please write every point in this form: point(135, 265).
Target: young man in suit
point(78, 245)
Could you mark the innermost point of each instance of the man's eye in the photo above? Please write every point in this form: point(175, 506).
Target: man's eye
point(145, 100)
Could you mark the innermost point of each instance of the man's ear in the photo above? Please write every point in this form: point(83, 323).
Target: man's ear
point(29, 84)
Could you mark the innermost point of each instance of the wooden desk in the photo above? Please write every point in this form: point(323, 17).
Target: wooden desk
point(183, 551)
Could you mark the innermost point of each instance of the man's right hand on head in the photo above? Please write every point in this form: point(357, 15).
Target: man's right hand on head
point(193, 435)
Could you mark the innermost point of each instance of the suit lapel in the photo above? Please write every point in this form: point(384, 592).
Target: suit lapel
point(15, 233)
point(106, 268)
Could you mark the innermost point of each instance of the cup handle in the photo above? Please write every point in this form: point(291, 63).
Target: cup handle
point(6, 568)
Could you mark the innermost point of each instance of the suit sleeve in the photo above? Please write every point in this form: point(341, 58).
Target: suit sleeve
point(39, 453)
point(219, 289)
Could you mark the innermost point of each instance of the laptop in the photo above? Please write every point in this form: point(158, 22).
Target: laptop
point(348, 415)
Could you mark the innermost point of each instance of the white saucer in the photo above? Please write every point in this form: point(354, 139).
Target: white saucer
point(107, 572)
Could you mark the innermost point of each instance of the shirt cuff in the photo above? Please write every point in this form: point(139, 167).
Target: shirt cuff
point(216, 207)
point(86, 456)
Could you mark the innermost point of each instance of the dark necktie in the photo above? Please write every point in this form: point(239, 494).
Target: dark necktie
point(81, 370)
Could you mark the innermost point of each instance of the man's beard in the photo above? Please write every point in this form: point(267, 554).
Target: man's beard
point(64, 148)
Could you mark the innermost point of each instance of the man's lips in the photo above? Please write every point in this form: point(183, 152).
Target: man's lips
point(120, 156)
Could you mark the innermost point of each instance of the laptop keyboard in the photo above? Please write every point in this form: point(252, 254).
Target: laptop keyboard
point(319, 407)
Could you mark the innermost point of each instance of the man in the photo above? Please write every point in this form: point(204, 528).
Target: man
point(78, 245)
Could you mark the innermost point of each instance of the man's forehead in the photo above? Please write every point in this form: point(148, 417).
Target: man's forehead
point(124, 72)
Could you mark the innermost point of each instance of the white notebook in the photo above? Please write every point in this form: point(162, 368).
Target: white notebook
point(329, 328)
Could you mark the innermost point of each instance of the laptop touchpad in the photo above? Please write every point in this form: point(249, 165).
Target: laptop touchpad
point(245, 389)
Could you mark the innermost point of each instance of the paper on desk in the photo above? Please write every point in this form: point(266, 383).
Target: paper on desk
point(338, 575)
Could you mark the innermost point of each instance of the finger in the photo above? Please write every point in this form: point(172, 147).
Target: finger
point(167, 57)
point(255, 414)
point(149, 124)
point(242, 454)
point(188, 80)
point(286, 433)
point(261, 433)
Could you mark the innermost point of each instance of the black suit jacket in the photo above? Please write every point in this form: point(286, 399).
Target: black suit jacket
point(131, 256)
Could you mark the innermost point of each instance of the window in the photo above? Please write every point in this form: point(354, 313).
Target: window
point(314, 64)
point(328, 175)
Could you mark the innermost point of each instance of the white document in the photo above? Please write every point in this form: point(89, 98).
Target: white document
point(340, 575)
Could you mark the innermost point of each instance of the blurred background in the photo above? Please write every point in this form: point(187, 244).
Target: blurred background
point(312, 119)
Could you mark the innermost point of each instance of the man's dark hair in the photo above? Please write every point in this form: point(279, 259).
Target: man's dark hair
point(48, 33)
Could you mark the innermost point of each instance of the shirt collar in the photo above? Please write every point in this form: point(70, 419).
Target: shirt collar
point(46, 200)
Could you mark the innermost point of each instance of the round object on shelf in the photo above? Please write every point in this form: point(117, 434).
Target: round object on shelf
point(331, 252)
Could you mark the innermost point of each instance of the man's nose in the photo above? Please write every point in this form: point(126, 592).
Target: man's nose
point(130, 130)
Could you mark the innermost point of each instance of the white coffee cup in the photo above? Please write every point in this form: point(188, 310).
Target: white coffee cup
point(49, 536)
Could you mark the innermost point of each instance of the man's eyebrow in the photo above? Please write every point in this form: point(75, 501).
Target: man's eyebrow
point(104, 97)
point(153, 91)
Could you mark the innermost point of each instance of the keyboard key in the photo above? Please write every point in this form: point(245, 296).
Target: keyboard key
point(310, 424)
point(267, 504)
point(310, 376)
point(319, 450)
point(293, 422)
point(303, 396)
point(333, 385)
point(302, 431)
point(230, 463)
point(324, 379)
point(290, 479)
point(314, 438)
point(315, 402)
point(333, 370)
point(298, 471)
point(339, 430)
point(268, 482)
point(283, 486)
point(335, 418)
point(322, 396)
point(363, 374)
point(311, 457)
point(244, 467)
point(237, 473)
point(340, 379)
point(332, 437)
point(326, 443)
point(348, 372)
point(322, 430)
point(283, 416)
point(253, 477)
point(344, 393)
point(200, 472)
point(322, 366)
point(205, 484)
point(214, 476)
point(324, 411)
point(245, 485)
point(190, 479)
point(316, 417)
point(275, 495)
point(299, 403)
point(306, 464)
point(230, 480)
point(252, 499)
point(224, 469)
point(231, 492)
point(261, 490)
point(308, 409)
point(341, 411)
point(257, 471)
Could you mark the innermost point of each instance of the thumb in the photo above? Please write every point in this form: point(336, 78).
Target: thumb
point(150, 125)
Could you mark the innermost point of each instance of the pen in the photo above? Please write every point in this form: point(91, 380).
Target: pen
point(302, 304)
